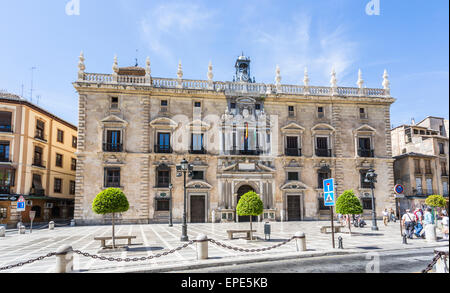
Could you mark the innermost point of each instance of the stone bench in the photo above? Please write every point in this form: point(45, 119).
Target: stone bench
point(104, 238)
point(324, 229)
point(231, 232)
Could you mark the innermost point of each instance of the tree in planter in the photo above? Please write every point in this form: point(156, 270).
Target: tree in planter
point(250, 205)
point(348, 204)
point(110, 201)
point(436, 201)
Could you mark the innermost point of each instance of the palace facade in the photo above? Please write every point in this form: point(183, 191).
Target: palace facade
point(279, 140)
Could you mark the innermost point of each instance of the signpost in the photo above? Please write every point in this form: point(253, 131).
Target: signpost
point(21, 207)
point(329, 201)
point(399, 189)
point(32, 215)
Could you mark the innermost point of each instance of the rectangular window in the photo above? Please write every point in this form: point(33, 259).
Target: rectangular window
point(3, 213)
point(113, 141)
point(364, 184)
point(163, 179)
point(366, 203)
point(36, 185)
point(74, 142)
point(197, 142)
point(162, 205)
point(197, 104)
point(291, 111)
point(322, 147)
point(444, 168)
point(419, 186)
point(57, 185)
point(365, 149)
point(72, 187)
point(114, 103)
point(37, 160)
point(320, 112)
point(5, 121)
point(4, 151)
point(362, 113)
point(60, 136)
point(112, 177)
point(441, 149)
point(197, 175)
point(427, 167)
point(321, 176)
point(164, 103)
point(163, 143)
point(417, 169)
point(293, 176)
point(73, 165)
point(232, 105)
point(59, 160)
point(429, 186)
point(445, 187)
point(40, 129)
point(7, 177)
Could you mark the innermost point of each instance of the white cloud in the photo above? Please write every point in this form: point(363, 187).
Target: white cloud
point(173, 21)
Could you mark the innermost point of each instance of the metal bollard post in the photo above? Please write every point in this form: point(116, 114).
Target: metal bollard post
point(2, 231)
point(430, 233)
point(64, 259)
point(341, 242)
point(51, 225)
point(300, 241)
point(22, 229)
point(404, 239)
point(442, 263)
point(19, 225)
point(202, 247)
point(72, 223)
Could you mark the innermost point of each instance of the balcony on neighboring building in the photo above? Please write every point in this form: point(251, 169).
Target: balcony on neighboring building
point(236, 152)
point(417, 171)
point(163, 149)
point(112, 147)
point(6, 128)
point(293, 152)
point(5, 160)
point(323, 152)
point(366, 153)
point(37, 191)
point(202, 151)
point(428, 171)
point(38, 163)
point(40, 136)
point(6, 189)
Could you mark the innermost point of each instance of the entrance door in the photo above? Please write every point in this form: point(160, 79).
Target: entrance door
point(198, 209)
point(241, 191)
point(293, 207)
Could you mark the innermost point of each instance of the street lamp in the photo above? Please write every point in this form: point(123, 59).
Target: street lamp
point(170, 205)
point(183, 168)
point(371, 177)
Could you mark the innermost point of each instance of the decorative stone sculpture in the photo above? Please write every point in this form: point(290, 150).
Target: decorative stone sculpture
point(210, 75)
point(180, 75)
point(360, 81)
point(306, 81)
point(81, 66)
point(333, 82)
point(386, 83)
point(278, 79)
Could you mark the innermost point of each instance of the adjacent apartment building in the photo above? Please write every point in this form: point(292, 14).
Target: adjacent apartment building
point(421, 153)
point(278, 140)
point(37, 161)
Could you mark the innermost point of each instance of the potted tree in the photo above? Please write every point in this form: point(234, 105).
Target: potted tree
point(250, 205)
point(348, 204)
point(435, 201)
point(110, 201)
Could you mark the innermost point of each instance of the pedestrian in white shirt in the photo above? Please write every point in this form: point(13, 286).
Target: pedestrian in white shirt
point(409, 223)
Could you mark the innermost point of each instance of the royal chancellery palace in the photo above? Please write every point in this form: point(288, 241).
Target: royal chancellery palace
point(279, 140)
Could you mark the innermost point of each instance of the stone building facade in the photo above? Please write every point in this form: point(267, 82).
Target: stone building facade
point(421, 153)
point(279, 140)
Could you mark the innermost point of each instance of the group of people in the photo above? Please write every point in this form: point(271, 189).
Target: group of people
point(414, 222)
point(388, 216)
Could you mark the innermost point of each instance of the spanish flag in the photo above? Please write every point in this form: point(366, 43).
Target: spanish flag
point(246, 131)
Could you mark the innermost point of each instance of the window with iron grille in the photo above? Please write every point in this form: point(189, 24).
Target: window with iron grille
point(320, 112)
point(40, 129)
point(198, 175)
point(291, 111)
point(73, 165)
point(4, 151)
point(5, 121)
point(74, 142)
point(163, 176)
point(366, 203)
point(112, 177)
point(72, 187)
point(114, 103)
point(58, 185)
point(162, 205)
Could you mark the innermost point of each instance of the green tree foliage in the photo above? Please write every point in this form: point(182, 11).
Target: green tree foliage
point(436, 201)
point(348, 204)
point(111, 200)
point(250, 205)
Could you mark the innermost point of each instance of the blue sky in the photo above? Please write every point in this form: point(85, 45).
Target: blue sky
point(409, 38)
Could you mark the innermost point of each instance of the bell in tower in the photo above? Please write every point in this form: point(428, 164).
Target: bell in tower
point(243, 69)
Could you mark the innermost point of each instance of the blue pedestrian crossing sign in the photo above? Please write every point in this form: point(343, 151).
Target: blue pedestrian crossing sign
point(328, 192)
point(21, 204)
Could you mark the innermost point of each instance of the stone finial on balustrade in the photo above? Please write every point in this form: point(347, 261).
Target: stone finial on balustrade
point(180, 75)
point(115, 69)
point(210, 75)
point(306, 81)
point(148, 71)
point(81, 66)
point(278, 79)
point(360, 81)
point(386, 84)
point(333, 81)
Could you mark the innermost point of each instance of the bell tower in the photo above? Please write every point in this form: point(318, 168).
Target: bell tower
point(243, 70)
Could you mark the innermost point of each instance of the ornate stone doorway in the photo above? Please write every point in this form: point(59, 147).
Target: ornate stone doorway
point(241, 191)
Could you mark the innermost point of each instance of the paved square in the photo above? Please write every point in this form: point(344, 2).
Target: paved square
point(158, 238)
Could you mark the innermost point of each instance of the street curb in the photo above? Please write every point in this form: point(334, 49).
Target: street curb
point(249, 260)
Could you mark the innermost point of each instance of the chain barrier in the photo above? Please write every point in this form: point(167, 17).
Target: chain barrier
point(250, 250)
point(27, 262)
point(434, 261)
point(93, 256)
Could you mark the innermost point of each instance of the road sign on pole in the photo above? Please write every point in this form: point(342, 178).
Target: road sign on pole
point(21, 204)
point(328, 201)
point(32, 216)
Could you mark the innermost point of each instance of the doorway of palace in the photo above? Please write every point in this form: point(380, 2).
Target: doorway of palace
point(198, 210)
point(241, 191)
point(293, 208)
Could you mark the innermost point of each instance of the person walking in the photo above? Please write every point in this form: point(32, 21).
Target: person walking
point(385, 217)
point(392, 215)
point(408, 223)
point(418, 217)
point(445, 225)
